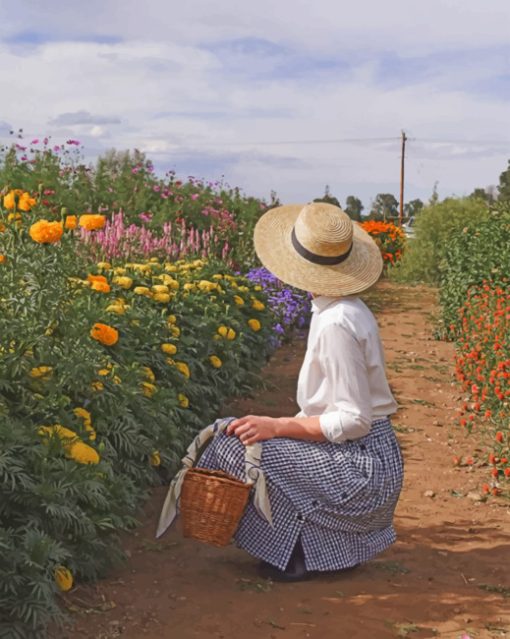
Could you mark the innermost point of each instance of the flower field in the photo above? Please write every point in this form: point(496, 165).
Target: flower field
point(119, 340)
point(464, 247)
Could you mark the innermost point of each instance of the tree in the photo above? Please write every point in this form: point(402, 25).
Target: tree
point(385, 205)
point(482, 194)
point(504, 185)
point(353, 208)
point(327, 197)
point(413, 207)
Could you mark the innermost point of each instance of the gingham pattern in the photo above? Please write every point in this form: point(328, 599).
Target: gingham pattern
point(338, 498)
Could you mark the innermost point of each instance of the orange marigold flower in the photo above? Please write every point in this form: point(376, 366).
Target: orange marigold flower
point(105, 334)
point(45, 232)
point(102, 287)
point(92, 222)
point(71, 222)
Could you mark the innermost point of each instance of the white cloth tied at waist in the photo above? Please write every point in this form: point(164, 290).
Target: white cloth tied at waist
point(254, 475)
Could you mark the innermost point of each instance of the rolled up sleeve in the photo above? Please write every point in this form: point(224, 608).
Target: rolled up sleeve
point(349, 413)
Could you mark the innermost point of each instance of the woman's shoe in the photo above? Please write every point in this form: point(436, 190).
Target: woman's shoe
point(295, 570)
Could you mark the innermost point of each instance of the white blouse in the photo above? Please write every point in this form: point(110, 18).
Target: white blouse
point(343, 377)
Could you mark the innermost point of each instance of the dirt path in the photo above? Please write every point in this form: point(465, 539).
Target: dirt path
point(447, 574)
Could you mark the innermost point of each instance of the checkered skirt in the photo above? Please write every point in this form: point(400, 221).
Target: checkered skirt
point(338, 499)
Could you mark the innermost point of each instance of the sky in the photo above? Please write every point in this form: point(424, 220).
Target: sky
point(283, 95)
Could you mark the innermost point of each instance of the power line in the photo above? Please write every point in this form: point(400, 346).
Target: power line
point(294, 142)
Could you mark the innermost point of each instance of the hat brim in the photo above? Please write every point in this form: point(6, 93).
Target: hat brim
point(273, 245)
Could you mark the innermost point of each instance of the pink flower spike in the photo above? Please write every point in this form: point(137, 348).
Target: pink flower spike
point(36, 141)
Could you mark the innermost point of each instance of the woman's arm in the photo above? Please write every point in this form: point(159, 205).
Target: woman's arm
point(255, 428)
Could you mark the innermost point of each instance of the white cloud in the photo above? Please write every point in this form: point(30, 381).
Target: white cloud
point(189, 82)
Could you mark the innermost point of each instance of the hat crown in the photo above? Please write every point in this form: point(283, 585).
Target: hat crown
point(324, 229)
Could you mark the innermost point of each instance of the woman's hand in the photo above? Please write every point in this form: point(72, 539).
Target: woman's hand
point(253, 428)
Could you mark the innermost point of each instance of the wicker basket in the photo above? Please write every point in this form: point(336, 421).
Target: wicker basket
point(212, 504)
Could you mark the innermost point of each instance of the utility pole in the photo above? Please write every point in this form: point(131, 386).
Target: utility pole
point(402, 161)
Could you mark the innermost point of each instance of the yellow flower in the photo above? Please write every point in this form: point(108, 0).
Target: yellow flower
point(14, 217)
point(97, 386)
point(123, 281)
point(45, 232)
point(84, 414)
point(217, 276)
point(148, 389)
point(149, 373)
point(254, 324)
point(243, 289)
point(120, 270)
point(159, 288)
point(63, 578)
point(66, 435)
point(91, 222)
point(222, 330)
point(205, 285)
point(116, 379)
point(162, 298)
point(175, 330)
point(257, 287)
point(170, 268)
point(104, 334)
point(82, 453)
point(103, 372)
point(120, 309)
point(183, 368)
point(171, 319)
point(142, 290)
point(155, 459)
point(231, 334)
point(215, 361)
point(183, 400)
point(101, 287)
point(41, 372)
point(238, 300)
point(258, 306)
point(169, 349)
point(71, 222)
point(189, 286)
point(104, 266)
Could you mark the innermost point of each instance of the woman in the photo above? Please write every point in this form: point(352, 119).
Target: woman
point(334, 471)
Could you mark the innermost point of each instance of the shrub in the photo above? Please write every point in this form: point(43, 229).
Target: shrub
point(390, 239)
point(479, 252)
point(435, 226)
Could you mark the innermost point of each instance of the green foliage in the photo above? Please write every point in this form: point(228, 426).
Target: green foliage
point(384, 207)
point(479, 253)
point(413, 207)
point(54, 508)
point(353, 207)
point(504, 185)
point(328, 198)
point(435, 226)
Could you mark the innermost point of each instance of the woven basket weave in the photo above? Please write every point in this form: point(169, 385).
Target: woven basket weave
point(211, 505)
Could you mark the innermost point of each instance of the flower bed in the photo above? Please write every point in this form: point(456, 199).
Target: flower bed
point(483, 369)
point(106, 372)
point(389, 238)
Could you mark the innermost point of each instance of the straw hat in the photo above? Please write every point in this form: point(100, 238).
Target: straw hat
point(317, 248)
